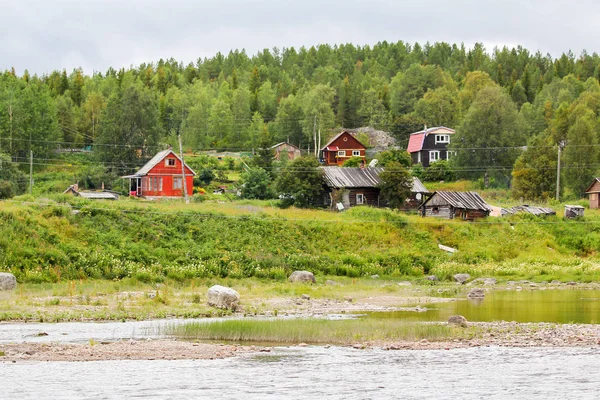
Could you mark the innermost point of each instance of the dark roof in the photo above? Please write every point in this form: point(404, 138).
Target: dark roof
point(466, 200)
point(342, 177)
point(333, 139)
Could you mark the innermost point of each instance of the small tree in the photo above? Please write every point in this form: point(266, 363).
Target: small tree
point(353, 162)
point(396, 184)
point(438, 171)
point(301, 181)
point(205, 176)
point(12, 180)
point(388, 156)
point(256, 184)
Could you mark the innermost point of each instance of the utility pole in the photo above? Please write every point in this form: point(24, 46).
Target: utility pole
point(558, 172)
point(185, 195)
point(315, 133)
point(30, 171)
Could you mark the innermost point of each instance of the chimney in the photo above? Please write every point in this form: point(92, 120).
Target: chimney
point(425, 128)
point(76, 187)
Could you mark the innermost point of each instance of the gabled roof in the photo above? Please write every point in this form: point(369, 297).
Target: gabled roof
point(342, 177)
point(416, 139)
point(99, 195)
point(587, 191)
point(333, 139)
point(287, 143)
point(466, 200)
point(154, 161)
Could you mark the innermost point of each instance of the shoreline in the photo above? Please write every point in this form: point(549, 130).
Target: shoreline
point(478, 334)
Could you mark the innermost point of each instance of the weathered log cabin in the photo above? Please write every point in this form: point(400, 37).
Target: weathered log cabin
point(464, 205)
point(360, 186)
point(286, 151)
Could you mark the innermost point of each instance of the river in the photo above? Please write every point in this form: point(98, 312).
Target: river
point(319, 372)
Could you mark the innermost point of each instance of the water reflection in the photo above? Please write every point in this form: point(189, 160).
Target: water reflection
point(560, 306)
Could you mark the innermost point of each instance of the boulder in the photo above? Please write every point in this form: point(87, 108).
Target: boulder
point(329, 282)
point(458, 320)
point(556, 282)
point(375, 276)
point(404, 283)
point(223, 297)
point(432, 278)
point(305, 297)
point(461, 278)
point(7, 281)
point(302, 276)
point(476, 293)
point(483, 281)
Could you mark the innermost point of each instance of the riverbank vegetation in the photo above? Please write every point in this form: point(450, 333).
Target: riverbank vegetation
point(68, 238)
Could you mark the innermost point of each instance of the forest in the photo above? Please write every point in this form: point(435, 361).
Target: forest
point(512, 108)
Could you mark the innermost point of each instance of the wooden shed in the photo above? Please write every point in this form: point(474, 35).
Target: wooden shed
point(450, 205)
point(594, 191)
point(285, 150)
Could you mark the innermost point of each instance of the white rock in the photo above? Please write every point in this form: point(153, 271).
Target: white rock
point(223, 297)
point(7, 281)
point(302, 276)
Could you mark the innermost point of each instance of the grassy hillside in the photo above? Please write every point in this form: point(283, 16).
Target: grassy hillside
point(71, 238)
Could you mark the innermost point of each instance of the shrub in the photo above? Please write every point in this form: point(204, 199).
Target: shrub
point(438, 171)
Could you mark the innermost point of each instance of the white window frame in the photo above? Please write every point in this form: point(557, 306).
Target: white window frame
point(442, 139)
point(434, 155)
point(160, 184)
point(177, 182)
point(450, 154)
point(149, 183)
point(341, 153)
point(355, 153)
point(361, 197)
point(169, 165)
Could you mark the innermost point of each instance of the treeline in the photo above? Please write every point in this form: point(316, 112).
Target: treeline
point(499, 102)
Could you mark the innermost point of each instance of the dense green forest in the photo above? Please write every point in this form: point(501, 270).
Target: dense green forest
point(499, 102)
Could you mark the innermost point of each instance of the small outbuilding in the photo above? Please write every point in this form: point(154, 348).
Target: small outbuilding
point(594, 192)
point(450, 205)
point(92, 195)
point(286, 151)
point(573, 211)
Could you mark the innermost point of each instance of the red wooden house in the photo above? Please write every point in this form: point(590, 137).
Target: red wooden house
point(161, 177)
point(342, 147)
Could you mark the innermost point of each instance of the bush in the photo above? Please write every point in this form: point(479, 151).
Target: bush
point(353, 162)
point(256, 184)
point(6, 190)
point(438, 171)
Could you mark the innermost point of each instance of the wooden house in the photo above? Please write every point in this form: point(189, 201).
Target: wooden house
point(161, 177)
point(284, 149)
point(430, 145)
point(342, 147)
point(360, 186)
point(594, 191)
point(450, 205)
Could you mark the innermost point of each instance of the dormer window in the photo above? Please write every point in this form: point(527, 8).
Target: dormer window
point(170, 162)
point(442, 139)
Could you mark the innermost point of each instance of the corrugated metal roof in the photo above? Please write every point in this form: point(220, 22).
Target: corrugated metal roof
point(340, 177)
point(418, 187)
point(98, 195)
point(466, 200)
point(158, 157)
point(534, 210)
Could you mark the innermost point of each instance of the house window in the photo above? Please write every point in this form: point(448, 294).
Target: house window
point(450, 154)
point(160, 184)
point(355, 153)
point(177, 182)
point(360, 198)
point(442, 139)
point(170, 162)
point(150, 184)
point(419, 158)
point(341, 153)
point(434, 156)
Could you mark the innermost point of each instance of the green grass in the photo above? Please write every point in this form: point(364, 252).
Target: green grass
point(313, 331)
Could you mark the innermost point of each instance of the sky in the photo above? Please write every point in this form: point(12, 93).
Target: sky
point(42, 36)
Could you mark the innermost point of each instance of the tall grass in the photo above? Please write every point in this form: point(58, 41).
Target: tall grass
point(312, 331)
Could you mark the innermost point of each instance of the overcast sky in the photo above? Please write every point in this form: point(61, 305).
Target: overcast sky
point(42, 36)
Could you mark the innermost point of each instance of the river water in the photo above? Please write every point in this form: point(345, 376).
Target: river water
point(318, 372)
